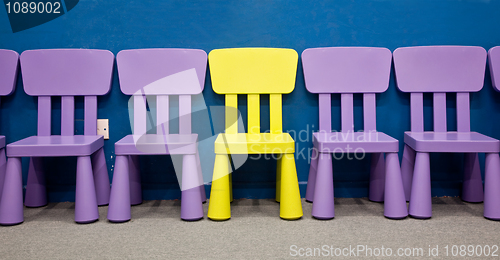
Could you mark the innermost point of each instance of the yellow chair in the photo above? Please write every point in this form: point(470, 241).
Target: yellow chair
point(254, 71)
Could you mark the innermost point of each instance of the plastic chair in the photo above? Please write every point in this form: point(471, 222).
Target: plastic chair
point(348, 71)
point(8, 76)
point(159, 72)
point(494, 62)
point(254, 71)
point(439, 70)
point(66, 73)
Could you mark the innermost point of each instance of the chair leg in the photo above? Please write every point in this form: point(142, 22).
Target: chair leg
point(491, 186)
point(407, 166)
point(323, 203)
point(377, 178)
point(394, 197)
point(85, 196)
point(134, 180)
point(119, 199)
point(290, 204)
point(101, 177)
point(472, 187)
point(3, 166)
point(200, 174)
point(219, 207)
point(278, 179)
point(11, 205)
point(191, 205)
point(36, 193)
point(311, 180)
point(420, 199)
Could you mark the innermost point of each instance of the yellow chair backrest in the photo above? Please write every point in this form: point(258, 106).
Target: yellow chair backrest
point(253, 71)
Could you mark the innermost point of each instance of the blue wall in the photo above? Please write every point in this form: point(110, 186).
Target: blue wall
point(119, 24)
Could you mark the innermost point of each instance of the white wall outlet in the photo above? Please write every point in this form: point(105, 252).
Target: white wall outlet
point(103, 128)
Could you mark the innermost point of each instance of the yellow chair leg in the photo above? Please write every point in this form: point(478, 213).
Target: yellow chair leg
point(219, 204)
point(278, 180)
point(230, 180)
point(290, 203)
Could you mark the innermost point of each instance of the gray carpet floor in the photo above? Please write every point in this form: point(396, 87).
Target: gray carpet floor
point(254, 232)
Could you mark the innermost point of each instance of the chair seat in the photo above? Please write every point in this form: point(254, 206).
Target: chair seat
point(55, 145)
point(2, 141)
point(152, 144)
point(262, 143)
point(451, 142)
point(351, 142)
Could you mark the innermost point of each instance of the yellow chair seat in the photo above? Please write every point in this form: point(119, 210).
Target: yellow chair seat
point(261, 143)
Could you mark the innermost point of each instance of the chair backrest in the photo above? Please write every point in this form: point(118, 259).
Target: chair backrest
point(439, 70)
point(253, 71)
point(67, 73)
point(347, 70)
point(161, 73)
point(8, 71)
point(494, 62)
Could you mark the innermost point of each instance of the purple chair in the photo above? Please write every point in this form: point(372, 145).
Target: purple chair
point(66, 73)
point(438, 70)
point(160, 73)
point(348, 71)
point(8, 77)
point(494, 62)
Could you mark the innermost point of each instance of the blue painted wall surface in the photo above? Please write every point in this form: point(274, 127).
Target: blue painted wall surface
point(117, 25)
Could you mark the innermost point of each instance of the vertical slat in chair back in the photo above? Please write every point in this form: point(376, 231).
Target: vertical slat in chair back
point(275, 109)
point(369, 112)
point(67, 115)
point(463, 112)
point(347, 112)
point(90, 116)
point(325, 113)
point(162, 105)
point(417, 112)
point(253, 71)
point(140, 114)
point(162, 73)
point(231, 114)
point(184, 114)
point(439, 115)
point(440, 70)
point(44, 115)
point(347, 71)
point(67, 73)
point(253, 113)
